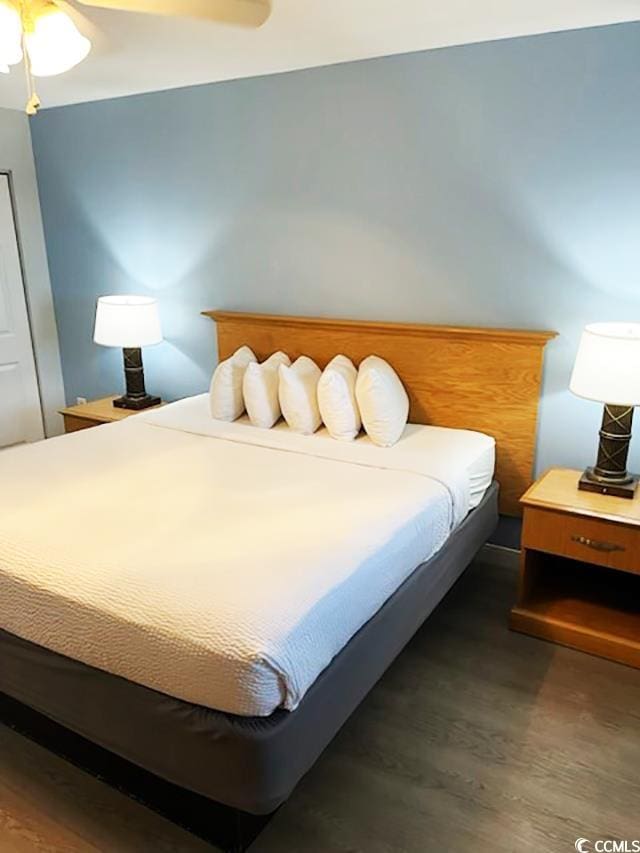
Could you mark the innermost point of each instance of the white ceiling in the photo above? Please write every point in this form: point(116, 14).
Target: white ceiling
point(141, 53)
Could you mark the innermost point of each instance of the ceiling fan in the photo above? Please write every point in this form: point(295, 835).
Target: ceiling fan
point(45, 35)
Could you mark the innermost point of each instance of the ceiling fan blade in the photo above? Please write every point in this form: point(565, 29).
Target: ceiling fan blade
point(243, 13)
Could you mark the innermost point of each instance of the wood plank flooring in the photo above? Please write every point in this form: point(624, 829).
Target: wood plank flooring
point(477, 739)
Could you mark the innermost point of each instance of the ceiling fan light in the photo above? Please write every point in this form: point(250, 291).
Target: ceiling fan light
point(54, 43)
point(10, 35)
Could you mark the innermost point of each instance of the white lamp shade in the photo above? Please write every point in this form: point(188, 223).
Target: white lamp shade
point(127, 321)
point(607, 367)
point(54, 43)
point(10, 36)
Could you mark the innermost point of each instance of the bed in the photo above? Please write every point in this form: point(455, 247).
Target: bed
point(233, 690)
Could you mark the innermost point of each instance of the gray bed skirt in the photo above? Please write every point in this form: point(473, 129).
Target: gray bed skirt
point(247, 763)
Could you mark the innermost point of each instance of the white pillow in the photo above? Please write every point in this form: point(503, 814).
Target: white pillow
point(225, 394)
point(260, 390)
point(383, 402)
point(337, 399)
point(299, 395)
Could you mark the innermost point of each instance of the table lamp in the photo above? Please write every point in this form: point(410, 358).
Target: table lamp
point(130, 322)
point(607, 369)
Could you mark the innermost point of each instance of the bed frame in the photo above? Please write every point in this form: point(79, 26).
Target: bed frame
point(237, 767)
point(463, 377)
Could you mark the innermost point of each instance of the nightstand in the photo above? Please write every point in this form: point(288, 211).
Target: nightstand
point(94, 413)
point(580, 568)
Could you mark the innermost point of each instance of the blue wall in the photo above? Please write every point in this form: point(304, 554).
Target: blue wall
point(493, 184)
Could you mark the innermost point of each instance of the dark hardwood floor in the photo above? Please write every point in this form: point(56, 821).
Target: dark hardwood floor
point(477, 739)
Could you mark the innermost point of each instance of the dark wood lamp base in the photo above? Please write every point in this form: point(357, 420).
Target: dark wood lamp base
point(136, 403)
point(609, 476)
point(136, 397)
point(590, 482)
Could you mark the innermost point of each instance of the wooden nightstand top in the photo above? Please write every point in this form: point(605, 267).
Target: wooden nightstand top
point(558, 490)
point(100, 411)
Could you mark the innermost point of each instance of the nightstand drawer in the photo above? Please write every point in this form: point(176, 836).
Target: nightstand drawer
point(588, 539)
point(73, 424)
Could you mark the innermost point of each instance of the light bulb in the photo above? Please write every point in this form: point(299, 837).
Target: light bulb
point(10, 36)
point(54, 43)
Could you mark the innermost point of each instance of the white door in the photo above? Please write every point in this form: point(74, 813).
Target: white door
point(20, 411)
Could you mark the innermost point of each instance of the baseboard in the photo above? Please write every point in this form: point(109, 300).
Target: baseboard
point(501, 556)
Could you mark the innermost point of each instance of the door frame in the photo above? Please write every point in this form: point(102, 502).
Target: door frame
point(23, 279)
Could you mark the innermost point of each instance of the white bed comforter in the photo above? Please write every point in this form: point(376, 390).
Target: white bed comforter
point(217, 563)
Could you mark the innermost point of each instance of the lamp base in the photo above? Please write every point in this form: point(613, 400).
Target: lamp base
point(590, 482)
point(136, 403)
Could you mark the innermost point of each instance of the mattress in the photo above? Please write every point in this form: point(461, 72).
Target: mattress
point(248, 763)
point(216, 563)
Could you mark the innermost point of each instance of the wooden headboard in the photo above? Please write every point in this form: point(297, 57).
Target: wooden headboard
point(468, 378)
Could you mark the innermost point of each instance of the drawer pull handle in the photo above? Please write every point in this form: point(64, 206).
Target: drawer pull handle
point(607, 547)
